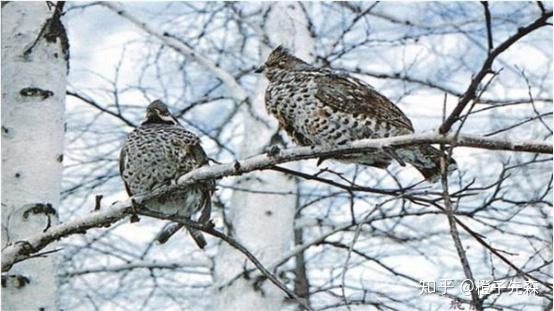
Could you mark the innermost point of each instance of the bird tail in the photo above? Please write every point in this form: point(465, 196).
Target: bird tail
point(427, 160)
point(198, 237)
point(169, 230)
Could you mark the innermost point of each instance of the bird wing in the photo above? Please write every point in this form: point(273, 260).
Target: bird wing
point(190, 145)
point(122, 161)
point(350, 95)
point(199, 155)
point(201, 159)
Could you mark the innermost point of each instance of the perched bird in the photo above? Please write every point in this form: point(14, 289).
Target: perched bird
point(317, 106)
point(156, 154)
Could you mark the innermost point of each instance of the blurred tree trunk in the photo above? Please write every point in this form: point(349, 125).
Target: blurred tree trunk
point(301, 280)
point(263, 222)
point(34, 70)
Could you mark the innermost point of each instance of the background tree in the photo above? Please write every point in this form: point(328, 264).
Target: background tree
point(261, 222)
point(357, 237)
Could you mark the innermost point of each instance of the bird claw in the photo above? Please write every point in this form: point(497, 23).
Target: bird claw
point(320, 160)
point(210, 224)
point(135, 206)
point(273, 151)
point(237, 166)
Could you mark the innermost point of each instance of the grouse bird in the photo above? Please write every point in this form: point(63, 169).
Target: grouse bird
point(317, 106)
point(156, 154)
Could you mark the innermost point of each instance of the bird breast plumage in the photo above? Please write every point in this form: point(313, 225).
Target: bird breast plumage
point(156, 155)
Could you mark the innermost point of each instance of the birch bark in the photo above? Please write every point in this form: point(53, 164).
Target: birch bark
point(263, 222)
point(34, 69)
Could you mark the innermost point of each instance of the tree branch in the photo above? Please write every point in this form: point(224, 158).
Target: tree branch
point(97, 106)
point(488, 23)
point(20, 250)
point(197, 268)
point(449, 211)
point(487, 67)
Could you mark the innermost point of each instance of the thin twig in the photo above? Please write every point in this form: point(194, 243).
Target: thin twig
point(488, 23)
point(97, 106)
point(456, 238)
point(98, 202)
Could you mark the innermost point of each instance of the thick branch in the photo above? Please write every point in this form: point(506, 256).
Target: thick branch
point(487, 67)
point(22, 249)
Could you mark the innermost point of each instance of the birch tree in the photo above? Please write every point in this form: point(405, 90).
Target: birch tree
point(34, 69)
point(262, 221)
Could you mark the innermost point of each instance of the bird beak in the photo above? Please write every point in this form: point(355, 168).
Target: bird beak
point(175, 120)
point(260, 69)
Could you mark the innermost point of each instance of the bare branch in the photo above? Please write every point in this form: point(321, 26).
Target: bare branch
point(487, 66)
point(488, 23)
point(196, 267)
point(99, 107)
point(457, 241)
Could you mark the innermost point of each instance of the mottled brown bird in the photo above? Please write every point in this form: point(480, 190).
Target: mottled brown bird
point(156, 154)
point(317, 106)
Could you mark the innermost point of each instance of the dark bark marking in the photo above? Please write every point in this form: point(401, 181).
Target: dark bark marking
point(5, 131)
point(18, 280)
point(36, 92)
point(41, 208)
point(26, 248)
point(53, 29)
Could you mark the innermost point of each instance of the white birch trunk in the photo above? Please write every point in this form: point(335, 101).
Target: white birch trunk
point(262, 222)
point(34, 68)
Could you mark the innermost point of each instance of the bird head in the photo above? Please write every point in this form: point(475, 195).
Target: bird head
point(157, 112)
point(281, 59)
